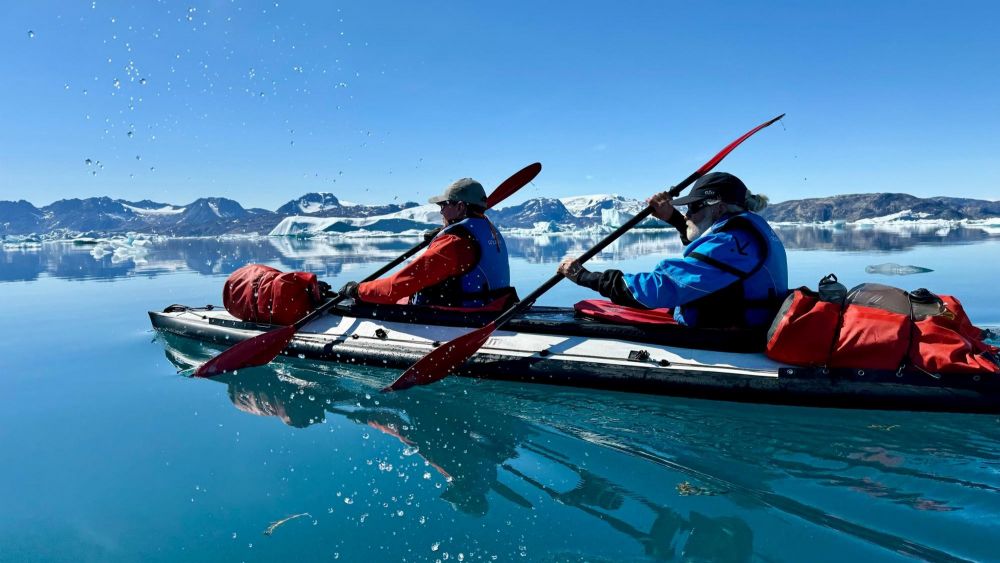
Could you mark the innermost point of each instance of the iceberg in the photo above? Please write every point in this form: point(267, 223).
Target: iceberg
point(893, 269)
point(414, 220)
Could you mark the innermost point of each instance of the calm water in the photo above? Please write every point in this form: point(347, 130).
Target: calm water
point(110, 455)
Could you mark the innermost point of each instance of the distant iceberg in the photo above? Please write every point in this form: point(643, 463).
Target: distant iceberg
point(412, 221)
point(893, 269)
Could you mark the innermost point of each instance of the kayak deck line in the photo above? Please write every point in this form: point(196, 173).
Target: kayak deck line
point(505, 342)
point(548, 345)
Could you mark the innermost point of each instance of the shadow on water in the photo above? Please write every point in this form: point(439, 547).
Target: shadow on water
point(869, 475)
point(327, 256)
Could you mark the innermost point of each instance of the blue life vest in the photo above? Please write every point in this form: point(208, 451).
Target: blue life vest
point(488, 280)
point(734, 275)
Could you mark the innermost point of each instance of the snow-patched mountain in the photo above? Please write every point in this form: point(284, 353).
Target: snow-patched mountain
point(611, 210)
point(217, 216)
point(532, 212)
point(324, 204)
point(91, 214)
point(310, 204)
point(411, 221)
point(147, 207)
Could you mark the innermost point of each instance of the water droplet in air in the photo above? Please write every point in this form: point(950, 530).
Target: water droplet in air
point(31, 34)
point(435, 546)
point(142, 81)
point(117, 83)
point(88, 162)
point(130, 133)
point(152, 169)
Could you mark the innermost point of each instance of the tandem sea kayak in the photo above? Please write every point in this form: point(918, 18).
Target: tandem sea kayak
point(551, 345)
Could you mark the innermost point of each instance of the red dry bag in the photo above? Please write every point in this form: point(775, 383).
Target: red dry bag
point(803, 330)
point(607, 311)
point(945, 339)
point(262, 294)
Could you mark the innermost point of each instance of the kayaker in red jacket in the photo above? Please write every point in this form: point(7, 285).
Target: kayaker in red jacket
point(466, 264)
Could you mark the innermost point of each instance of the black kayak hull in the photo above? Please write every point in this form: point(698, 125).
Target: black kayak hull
point(553, 348)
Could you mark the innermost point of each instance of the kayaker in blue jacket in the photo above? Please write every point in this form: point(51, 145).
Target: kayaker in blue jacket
point(733, 272)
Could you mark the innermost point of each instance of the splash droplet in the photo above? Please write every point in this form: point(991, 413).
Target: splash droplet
point(31, 34)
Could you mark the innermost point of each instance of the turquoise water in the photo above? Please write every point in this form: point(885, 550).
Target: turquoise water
point(110, 455)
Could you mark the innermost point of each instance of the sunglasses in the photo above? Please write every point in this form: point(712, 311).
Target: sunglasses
point(697, 206)
point(448, 202)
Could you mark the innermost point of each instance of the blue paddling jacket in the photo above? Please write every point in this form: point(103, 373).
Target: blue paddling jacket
point(734, 275)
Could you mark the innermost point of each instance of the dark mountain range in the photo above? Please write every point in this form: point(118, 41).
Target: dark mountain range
point(20, 217)
point(216, 216)
point(203, 217)
point(854, 207)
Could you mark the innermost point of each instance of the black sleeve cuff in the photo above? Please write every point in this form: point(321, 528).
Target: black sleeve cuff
point(610, 284)
point(677, 221)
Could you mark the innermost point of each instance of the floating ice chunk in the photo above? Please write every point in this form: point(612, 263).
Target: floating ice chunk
point(893, 269)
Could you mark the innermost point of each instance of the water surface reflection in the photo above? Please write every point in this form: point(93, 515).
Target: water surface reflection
point(327, 257)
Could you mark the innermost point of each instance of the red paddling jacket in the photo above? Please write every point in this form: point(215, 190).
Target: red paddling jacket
point(466, 265)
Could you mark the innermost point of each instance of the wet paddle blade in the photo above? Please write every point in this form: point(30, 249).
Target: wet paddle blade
point(252, 352)
point(514, 183)
point(725, 152)
point(445, 358)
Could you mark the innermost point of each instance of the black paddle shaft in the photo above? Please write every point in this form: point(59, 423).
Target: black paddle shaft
point(673, 192)
point(332, 302)
point(530, 299)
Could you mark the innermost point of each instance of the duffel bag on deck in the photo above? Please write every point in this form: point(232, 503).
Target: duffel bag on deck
point(874, 330)
point(880, 327)
point(803, 330)
point(262, 294)
point(945, 340)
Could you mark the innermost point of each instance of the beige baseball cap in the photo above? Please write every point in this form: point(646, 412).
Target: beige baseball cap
point(466, 189)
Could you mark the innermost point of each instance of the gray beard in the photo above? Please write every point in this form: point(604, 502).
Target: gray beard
point(695, 230)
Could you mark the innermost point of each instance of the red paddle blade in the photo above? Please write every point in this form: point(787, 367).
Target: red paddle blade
point(439, 363)
point(724, 152)
point(514, 183)
point(255, 351)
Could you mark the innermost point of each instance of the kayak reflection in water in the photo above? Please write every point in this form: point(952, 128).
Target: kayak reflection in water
point(733, 272)
point(454, 444)
point(466, 264)
point(475, 444)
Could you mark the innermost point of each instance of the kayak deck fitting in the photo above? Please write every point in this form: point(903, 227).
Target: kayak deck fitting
point(550, 345)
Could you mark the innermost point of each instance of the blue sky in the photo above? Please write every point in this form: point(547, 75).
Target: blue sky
point(375, 101)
